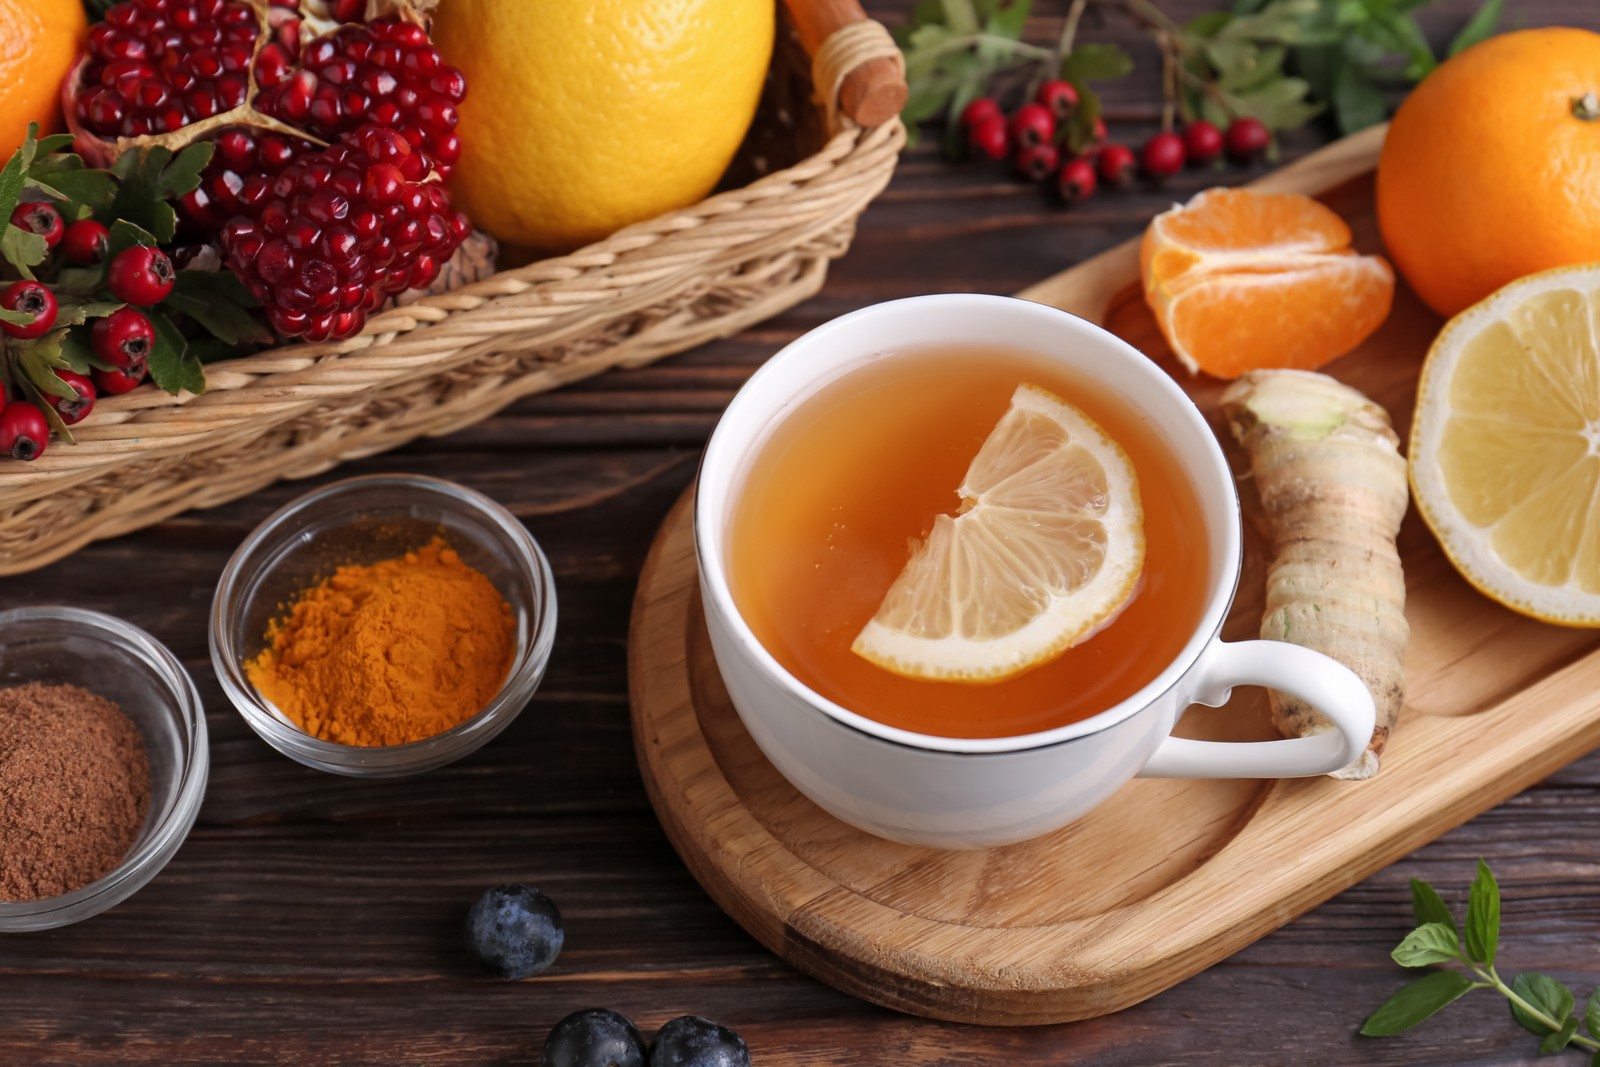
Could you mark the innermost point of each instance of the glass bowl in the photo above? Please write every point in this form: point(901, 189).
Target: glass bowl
point(364, 520)
point(124, 664)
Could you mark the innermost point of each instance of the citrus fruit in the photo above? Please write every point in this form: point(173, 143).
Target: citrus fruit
point(1046, 550)
point(1240, 280)
point(1488, 169)
point(588, 115)
point(39, 41)
point(1505, 445)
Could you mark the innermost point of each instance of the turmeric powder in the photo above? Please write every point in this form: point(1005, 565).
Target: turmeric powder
point(1333, 485)
point(390, 652)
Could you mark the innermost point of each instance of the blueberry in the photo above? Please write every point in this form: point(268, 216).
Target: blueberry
point(690, 1041)
point(514, 931)
point(594, 1037)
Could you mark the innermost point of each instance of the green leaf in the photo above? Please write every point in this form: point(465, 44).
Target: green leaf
point(1095, 61)
point(11, 181)
point(125, 235)
point(1483, 917)
point(15, 318)
point(67, 176)
point(70, 313)
point(139, 197)
point(1210, 23)
point(172, 366)
point(1266, 64)
point(1591, 1014)
point(1415, 1002)
point(1357, 103)
point(1405, 36)
point(1008, 21)
point(183, 174)
point(217, 300)
point(21, 248)
point(39, 362)
point(1080, 129)
point(1428, 943)
point(1544, 993)
point(967, 89)
point(1478, 28)
point(960, 16)
point(1561, 1039)
point(77, 350)
point(1428, 906)
point(926, 100)
point(1281, 104)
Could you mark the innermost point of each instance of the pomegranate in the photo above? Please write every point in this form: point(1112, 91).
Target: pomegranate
point(284, 86)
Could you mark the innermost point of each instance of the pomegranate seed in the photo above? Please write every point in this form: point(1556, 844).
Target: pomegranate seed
point(301, 234)
point(201, 103)
point(348, 10)
point(452, 85)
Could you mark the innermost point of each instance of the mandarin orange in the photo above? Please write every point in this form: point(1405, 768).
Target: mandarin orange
point(39, 42)
point(1488, 172)
point(1240, 280)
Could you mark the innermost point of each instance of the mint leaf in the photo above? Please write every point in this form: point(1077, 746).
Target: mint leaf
point(1428, 943)
point(172, 366)
point(1483, 918)
point(1545, 994)
point(1478, 28)
point(1560, 1039)
point(1429, 907)
point(1416, 1002)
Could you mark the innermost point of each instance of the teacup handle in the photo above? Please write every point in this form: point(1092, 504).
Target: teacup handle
point(1326, 684)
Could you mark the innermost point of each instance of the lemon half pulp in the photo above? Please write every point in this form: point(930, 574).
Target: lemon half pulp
point(1505, 445)
point(1045, 551)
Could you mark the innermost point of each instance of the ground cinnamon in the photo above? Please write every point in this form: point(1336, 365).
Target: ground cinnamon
point(390, 652)
point(74, 789)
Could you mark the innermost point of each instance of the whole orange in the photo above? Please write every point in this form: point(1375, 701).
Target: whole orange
point(1491, 167)
point(39, 41)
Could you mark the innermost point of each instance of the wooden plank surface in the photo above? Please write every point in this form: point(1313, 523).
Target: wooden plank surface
point(314, 919)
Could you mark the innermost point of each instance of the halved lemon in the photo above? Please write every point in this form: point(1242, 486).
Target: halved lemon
point(1045, 550)
point(1505, 445)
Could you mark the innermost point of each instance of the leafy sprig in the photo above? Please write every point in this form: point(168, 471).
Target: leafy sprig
point(1539, 1003)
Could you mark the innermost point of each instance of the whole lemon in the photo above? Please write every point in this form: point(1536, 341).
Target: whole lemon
point(583, 116)
point(1489, 169)
point(39, 41)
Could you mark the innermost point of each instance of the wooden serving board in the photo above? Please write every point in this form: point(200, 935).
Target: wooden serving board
point(1167, 877)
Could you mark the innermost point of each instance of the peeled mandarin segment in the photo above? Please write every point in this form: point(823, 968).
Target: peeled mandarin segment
point(1047, 549)
point(1228, 324)
point(1263, 224)
point(1505, 454)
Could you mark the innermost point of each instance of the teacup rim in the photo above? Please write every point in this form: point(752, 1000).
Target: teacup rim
point(1206, 633)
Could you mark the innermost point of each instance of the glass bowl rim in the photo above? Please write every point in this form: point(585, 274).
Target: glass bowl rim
point(429, 752)
point(143, 863)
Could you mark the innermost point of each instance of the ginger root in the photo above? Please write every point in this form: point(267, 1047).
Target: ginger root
point(1333, 485)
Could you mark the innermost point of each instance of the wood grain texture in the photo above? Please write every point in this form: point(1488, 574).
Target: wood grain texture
point(1167, 877)
point(311, 919)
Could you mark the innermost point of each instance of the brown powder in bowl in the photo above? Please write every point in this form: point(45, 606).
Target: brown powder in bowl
point(74, 789)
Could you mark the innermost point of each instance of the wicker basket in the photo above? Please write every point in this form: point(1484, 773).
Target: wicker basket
point(446, 361)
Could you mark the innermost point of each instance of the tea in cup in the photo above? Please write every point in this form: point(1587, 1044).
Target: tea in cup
point(940, 636)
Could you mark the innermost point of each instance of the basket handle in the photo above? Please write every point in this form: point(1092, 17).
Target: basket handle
point(855, 65)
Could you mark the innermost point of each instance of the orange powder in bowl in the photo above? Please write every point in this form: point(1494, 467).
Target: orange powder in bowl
point(389, 652)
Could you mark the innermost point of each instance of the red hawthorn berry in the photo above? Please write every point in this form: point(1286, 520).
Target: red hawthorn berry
point(1247, 139)
point(1202, 142)
point(1076, 180)
point(1059, 96)
point(1037, 162)
point(988, 138)
point(1116, 165)
point(1032, 124)
point(982, 108)
point(75, 410)
point(117, 382)
point(85, 242)
point(35, 216)
point(1162, 155)
point(24, 433)
point(141, 275)
point(30, 298)
point(123, 338)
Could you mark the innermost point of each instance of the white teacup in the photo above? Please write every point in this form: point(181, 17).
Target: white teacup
point(948, 792)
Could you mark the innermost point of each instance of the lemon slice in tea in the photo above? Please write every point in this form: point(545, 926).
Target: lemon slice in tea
point(1505, 445)
point(1045, 551)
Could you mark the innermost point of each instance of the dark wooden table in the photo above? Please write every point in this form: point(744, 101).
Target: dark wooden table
point(314, 919)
